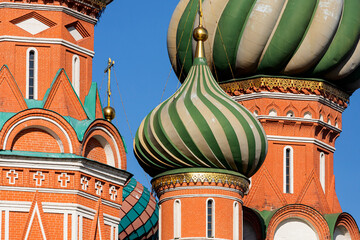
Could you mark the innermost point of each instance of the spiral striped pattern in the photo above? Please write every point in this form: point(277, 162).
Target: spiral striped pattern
point(200, 126)
point(139, 213)
point(300, 38)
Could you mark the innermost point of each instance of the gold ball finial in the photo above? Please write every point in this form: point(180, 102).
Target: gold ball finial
point(109, 113)
point(200, 34)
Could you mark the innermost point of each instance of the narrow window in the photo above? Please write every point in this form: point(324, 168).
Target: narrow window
point(322, 170)
point(236, 221)
point(288, 170)
point(177, 219)
point(210, 218)
point(76, 74)
point(160, 222)
point(31, 73)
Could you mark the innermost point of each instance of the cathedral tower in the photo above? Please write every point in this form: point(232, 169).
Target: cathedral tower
point(62, 164)
point(200, 147)
point(294, 64)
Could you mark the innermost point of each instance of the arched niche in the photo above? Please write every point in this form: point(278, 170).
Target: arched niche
point(295, 229)
point(37, 139)
point(98, 148)
point(341, 233)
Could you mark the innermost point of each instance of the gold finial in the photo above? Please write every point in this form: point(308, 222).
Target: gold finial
point(200, 34)
point(109, 112)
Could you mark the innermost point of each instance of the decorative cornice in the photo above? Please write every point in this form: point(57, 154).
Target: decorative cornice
point(172, 180)
point(297, 86)
point(301, 140)
point(289, 96)
point(42, 7)
point(48, 41)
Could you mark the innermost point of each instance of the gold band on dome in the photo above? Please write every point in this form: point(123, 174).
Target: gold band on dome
point(285, 83)
point(171, 180)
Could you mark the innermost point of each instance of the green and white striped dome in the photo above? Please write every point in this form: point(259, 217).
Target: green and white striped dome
point(317, 39)
point(200, 126)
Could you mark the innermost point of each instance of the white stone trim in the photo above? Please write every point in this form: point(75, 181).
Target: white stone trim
point(212, 218)
point(76, 74)
point(0, 223)
point(82, 165)
point(291, 170)
point(289, 96)
point(322, 170)
point(111, 162)
point(201, 187)
point(52, 190)
point(199, 195)
point(308, 120)
point(74, 226)
point(301, 140)
point(177, 218)
point(160, 222)
point(7, 225)
point(36, 63)
point(45, 129)
point(65, 227)
point(59, 208)
point(42, 7)
point(58, 41)
point(80, 227)
point(37, 212)
point(236, 221)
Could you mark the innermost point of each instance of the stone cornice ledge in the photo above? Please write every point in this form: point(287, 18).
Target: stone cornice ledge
point(59, 41)
point(84, 165)
point(42, 7)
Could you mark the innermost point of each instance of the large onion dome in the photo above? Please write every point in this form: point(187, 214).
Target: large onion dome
point(200, 126)
point(139, 213)
point(316, 39)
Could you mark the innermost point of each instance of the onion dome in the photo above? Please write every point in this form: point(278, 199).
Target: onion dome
point(299, 38)
point(139, 213)
point(200, 126)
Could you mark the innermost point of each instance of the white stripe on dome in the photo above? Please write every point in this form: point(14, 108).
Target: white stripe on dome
point(172, 31)
point(194, 131)
point(258, 29)
point(212, 11)
point(347, 66)
point(174, 137)
point(212, 121)
point(158, 144)
point(321, 32)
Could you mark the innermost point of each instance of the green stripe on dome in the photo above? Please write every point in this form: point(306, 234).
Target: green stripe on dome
point(184, 37)
point(230, 25)
point(345, 39)
point(202, 123)
point(288, 35)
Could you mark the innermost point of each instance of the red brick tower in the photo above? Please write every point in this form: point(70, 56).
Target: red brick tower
point(62, 165)
point(294, 64)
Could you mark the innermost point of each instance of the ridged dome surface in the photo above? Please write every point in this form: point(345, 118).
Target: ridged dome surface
point(316, 39)
point(139, 213)
point(200, 126)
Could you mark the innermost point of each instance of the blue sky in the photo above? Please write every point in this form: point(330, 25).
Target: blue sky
point(133, 33)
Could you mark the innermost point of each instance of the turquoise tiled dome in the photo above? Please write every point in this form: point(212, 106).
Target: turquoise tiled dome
point(139, 213)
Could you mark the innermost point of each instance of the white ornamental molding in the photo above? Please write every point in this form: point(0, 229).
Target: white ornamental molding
point(113, 193)
point(98, 188)
point(64, 179)
point(84, 183)
point(12, 175)
point(39, 177)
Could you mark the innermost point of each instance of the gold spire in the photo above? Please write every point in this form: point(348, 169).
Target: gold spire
point(200, 34)
point(109, 112)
